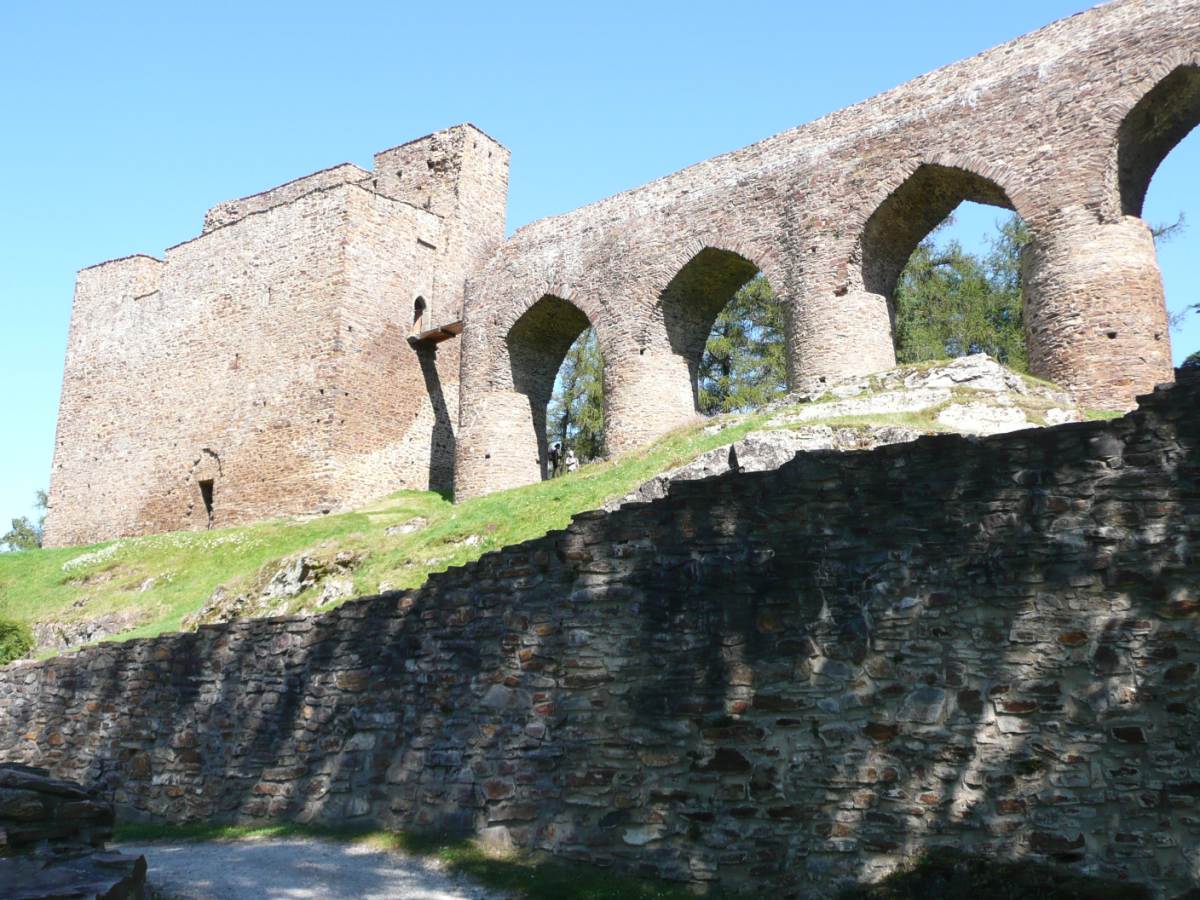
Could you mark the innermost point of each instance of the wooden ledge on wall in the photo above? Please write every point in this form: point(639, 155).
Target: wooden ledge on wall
point(436, 335)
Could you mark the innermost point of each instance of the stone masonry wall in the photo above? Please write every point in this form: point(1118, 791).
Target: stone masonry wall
point(769, 681)
point(270, 355)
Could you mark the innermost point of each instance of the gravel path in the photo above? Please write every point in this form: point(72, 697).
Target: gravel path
point(296, 869)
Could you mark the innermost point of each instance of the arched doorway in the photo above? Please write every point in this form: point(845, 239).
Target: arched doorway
point(537, 345)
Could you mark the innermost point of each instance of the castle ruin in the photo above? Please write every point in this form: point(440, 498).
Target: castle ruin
point(265, 367)
point(289, 360)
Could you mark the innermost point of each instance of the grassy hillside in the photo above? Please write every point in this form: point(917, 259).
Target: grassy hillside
point(164, 577)
point(154, 582)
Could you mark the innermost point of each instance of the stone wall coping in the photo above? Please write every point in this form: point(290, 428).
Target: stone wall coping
point(121, 259)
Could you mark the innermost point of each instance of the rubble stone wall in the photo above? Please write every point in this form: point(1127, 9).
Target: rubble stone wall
point(777, 679)
point(1065, 125)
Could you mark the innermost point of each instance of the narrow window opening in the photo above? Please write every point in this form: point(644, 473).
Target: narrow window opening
point(206, 492)
point(418, 324)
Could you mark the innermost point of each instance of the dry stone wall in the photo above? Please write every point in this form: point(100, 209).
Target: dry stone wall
point(780, 679)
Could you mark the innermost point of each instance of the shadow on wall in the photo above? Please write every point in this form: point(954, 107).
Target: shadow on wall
point(694, 298)
point(537, 344)
point(790, 679)
point(442, 441)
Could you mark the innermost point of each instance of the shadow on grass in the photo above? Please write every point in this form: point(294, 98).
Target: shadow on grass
point(952, 875)
point(519, 874)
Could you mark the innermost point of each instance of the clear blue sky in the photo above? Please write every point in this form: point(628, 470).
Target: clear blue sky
point(125, 121)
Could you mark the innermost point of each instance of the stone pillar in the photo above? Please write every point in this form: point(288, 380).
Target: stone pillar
point(835, 335)
point(647, 394)
point(1095, 316)
point(500, 444)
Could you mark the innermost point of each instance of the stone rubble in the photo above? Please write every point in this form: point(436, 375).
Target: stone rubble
point(52, 838)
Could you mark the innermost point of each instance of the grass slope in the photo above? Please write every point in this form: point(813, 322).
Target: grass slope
point(159, 579)
point(164, 577)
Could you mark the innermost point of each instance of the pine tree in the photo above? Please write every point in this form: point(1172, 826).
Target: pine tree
point(744, 365)
point(949, 302)
point(575, 416)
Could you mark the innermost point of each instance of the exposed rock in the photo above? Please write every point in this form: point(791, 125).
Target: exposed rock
point(56, 634)
point(762, 451)
point(52, 838)
point(978, 372)
point(293, 577)
point(416, 523)
point(336, 588)
point(980, 418)
point(969, 395)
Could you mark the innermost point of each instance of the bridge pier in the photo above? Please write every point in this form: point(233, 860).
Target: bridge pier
point(1095, 314)
point(647, 394)
point(501, 444)
point(835, 335)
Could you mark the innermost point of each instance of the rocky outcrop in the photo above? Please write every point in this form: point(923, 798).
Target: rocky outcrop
point(977, 382)
point(969, 395)
point(273, 594)
point(762, 451)
point(63, 634)
point(52, 839)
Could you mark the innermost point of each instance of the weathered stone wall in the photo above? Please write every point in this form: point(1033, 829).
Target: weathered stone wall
point(270, 355)
point(1066, 126)
point(769, 680)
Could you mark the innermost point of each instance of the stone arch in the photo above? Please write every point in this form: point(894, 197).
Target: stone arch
point(502, 439)
point(1096, 318)
point(845, 325)
point(536, 345)
point(690, 302)
point(909, 212)
point(651, 386)
point(1161, 118)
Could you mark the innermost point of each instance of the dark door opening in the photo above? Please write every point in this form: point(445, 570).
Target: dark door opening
point(206, 491)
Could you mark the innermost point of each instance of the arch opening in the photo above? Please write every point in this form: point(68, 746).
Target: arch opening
point(1151, 130)
point(418, 321)
point(722, 323)
point(948, 267)
point(1158, 152)
point(538, 344)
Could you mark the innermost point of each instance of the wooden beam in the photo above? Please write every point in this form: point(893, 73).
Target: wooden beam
point(437, 335)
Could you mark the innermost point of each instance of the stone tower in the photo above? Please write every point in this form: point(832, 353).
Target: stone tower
point(288, 359)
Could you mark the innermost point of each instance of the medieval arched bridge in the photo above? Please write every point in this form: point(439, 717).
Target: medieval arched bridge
point(1066, 126)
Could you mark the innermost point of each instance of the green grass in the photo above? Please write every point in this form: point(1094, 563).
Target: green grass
point(520, 874)
point(1102, 415)
point(953, 875)
point(162, 578)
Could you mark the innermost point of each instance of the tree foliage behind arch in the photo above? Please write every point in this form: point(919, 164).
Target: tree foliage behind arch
point(949, 302)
